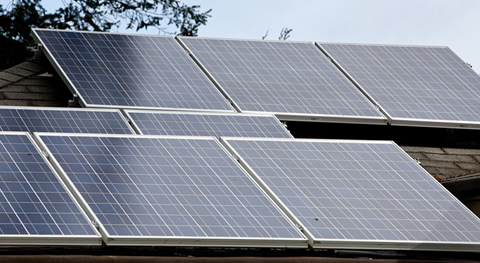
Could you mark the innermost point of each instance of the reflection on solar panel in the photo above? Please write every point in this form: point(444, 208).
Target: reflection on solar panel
point(36, 208)
point(193, 124)
point(63, 120)
point(171, 191)
point(415, 85)
point(123, 70)
point(360, 194)
point(290, 79)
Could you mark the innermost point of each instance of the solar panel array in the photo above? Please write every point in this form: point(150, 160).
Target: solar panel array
point(197, 124)
point(267, 192)
point(122, 70)
point(35, 207)
point(415, 83)
point(281, 77)
point(63, 120)
point(359, 194)
point(158, 190)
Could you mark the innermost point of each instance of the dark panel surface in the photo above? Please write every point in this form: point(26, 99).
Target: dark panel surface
point(33, 202)
point(124, 70)
point(280, 77)
point(167, 189)
point(63, 120)
point(413, 82)
point(359, 192)
point(192, 124)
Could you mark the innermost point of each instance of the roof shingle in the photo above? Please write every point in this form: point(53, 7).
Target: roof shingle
point(446, 163)
point(26, 84)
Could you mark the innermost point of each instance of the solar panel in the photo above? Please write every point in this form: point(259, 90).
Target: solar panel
point(197, 124)
point(359, 194)
point(131, 71)
point(148, 190)
point(290, 79)
point(35, 206)
point(63, 120)
point(415, 85)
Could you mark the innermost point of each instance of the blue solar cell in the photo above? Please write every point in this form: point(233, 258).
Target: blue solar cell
point(33, 202)
point(196, 124)
point(168, 190)
point(281, 77)
point(63, 120)
point(125, 70)
point(360, 194)
point(413, 83)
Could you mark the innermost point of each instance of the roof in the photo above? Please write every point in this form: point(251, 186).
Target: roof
point(33, 83)
point(447, 163)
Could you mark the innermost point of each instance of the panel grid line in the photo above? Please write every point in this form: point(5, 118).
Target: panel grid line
point(15, 212)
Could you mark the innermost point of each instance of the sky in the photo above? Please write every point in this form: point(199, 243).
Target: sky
point(452, 23)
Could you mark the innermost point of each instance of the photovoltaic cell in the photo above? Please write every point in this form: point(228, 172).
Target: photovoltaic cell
point(35, 207)
point(281, 77)
point(177, 191)
point(360, 194)
point(124, 70)
point(196, 124)
point(413, 82)
point(63, 120)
